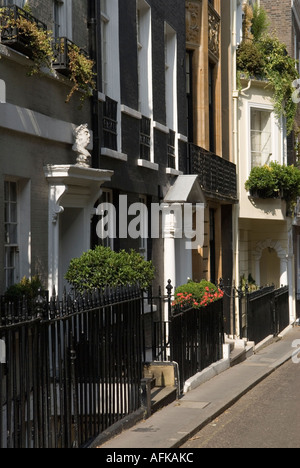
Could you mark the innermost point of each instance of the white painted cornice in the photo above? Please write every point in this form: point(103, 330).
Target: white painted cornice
point(29, 122)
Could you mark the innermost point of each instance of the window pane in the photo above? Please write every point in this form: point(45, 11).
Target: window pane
point(6, 191)
point(13, 212)
point(6, 233)
point(13, 191)
point(11, 234)
point(10, 213)
point(10, 278)
point(13, 238)
point(261, 141)
point(6, 212)
point(9, 257)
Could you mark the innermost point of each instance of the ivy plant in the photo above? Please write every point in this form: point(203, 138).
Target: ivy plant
point(40, 43)
point(39, 40)
point(81, 72)
point(264, 56)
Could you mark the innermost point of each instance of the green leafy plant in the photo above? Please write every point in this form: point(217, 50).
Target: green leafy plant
point(39, 40)
point(27, 288)
point(248, 284)
point(250, 60)
point(263, 56)
point(81, 72)
point(259, 22)
point(262, 182)
point(288, 181)
point(103, 267)
point(275, 181)
point(196, 295)
point(40, 45)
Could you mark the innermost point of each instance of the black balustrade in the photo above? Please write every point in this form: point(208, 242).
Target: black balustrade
point(217, 176)
point(12, 32)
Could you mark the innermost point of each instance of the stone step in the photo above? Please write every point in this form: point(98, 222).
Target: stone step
point(161, 397)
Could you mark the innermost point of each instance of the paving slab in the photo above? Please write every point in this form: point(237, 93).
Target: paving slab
point(174, 425)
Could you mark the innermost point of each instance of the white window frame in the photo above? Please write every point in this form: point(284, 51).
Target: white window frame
point(104, 51)
point(107, 197)
point(19, 3)
point(171, 84)
point(23, 246)
point(143, 248)
point(113, 85)
point(274, 132)
point(11, 249)
point(145, 81)
point(62, 18)
point(144, 41)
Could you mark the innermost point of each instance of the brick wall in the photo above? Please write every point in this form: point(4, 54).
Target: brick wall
point(43, 10)
point(22, 157)
point(280, 16)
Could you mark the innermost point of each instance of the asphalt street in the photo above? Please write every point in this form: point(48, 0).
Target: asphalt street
point(266, 417)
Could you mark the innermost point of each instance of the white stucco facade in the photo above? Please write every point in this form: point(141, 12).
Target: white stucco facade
point(265, 247)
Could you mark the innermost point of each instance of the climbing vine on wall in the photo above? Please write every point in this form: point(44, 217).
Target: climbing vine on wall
point(263, 56)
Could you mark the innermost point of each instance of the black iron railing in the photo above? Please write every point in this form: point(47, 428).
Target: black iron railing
point(264, 312)
point(193, 338)
point(72, 367)
point(217, 175)
point(12, 33)
point(282, 309)
point(197, 338)
point(61, 51)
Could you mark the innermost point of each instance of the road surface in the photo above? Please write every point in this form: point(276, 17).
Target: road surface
point(266, 417)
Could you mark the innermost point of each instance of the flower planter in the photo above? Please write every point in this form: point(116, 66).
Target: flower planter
point(265, 194)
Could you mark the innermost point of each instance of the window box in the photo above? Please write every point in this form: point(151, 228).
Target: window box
point(275, 182)
point(265, 194)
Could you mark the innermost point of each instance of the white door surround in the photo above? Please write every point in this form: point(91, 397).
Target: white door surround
point(70, 186)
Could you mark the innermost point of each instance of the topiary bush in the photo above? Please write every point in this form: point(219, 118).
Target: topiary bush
point(103, 267)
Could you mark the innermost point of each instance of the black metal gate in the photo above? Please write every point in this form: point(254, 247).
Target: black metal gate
point(264, 312)
point(197, 338)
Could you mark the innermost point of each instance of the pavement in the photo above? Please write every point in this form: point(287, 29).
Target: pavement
point(172, 426)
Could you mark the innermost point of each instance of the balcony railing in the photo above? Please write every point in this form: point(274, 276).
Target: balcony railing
point(217, 175)
point(11, 33)
point(61, 49)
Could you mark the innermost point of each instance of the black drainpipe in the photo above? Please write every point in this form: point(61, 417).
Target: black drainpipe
point(94, 27)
